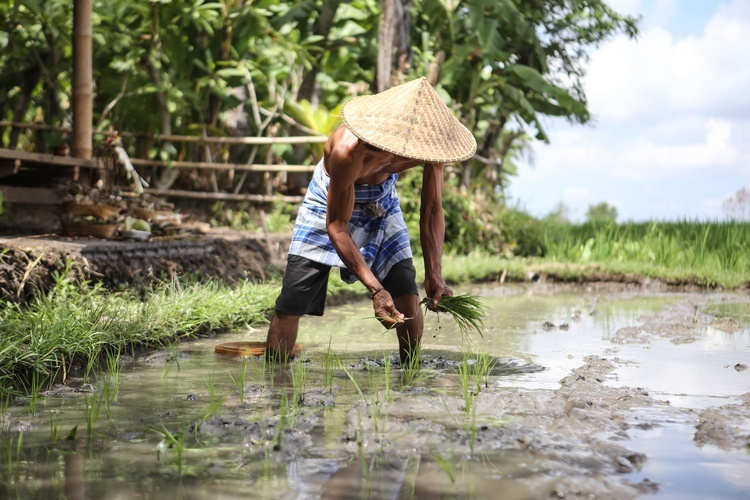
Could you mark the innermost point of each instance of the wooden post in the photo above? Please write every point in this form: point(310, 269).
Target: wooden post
point(82, 90)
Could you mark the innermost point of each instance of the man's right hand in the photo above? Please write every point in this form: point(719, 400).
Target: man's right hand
point(385, 309)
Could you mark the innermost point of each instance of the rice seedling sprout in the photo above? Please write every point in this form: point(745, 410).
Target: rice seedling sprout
point(466, 310)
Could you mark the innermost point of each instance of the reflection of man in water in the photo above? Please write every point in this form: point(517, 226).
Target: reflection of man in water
point(350, 217)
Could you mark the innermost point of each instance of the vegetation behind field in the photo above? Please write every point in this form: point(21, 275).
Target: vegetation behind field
point(75, 325)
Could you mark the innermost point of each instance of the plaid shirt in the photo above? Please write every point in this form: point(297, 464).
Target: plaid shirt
point(377, 226)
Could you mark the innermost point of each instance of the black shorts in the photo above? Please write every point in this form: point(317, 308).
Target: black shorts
point(305, 285)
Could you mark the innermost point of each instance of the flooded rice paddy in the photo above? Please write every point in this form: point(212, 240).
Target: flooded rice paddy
point(596, 392)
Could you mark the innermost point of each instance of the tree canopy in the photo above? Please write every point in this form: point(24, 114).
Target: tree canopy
point(601, 213)
point(274, 67)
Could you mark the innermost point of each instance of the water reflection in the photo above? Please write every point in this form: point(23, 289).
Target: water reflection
point(352, 438)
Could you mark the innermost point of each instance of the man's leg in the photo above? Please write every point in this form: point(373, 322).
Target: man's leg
point(282, 334)
point(303, 291)
point(409, 333)
point(401, 284)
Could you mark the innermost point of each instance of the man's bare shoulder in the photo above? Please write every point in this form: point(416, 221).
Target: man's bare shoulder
point(341, 144)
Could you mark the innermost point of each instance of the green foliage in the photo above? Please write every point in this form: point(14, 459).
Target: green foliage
point(477, 222)
point(77, 322)
point(501, 64)
point(602, 213)
point(710, 251)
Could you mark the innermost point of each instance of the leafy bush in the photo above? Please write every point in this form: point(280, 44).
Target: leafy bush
point(476, 221)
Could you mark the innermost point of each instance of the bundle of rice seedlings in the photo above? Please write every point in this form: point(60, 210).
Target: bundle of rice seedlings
point(466, 310)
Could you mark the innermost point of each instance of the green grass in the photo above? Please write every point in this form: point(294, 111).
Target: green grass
point(77, 325)
point(80, 322)
point(704, 253)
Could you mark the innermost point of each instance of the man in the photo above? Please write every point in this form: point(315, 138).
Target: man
point(350, 217)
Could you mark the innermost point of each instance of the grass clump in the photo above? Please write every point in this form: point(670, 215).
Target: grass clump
point(466, 310)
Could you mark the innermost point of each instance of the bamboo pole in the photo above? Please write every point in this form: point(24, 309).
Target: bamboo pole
point(82, 72)
point(222, 166)
point(203, 195)
point(178, 138)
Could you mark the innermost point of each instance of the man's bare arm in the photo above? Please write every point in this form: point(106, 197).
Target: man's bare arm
point(432, 231)
point(343, 173)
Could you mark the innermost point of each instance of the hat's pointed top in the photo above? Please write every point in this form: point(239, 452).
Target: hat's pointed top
point(410, 120)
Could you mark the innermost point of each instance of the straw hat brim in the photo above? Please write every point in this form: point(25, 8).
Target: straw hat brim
point(411, 121)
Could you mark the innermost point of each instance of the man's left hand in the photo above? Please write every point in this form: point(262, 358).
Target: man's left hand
point(436, 289)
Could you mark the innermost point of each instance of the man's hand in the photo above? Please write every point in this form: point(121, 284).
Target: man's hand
point(436, 289)
point(385, 309)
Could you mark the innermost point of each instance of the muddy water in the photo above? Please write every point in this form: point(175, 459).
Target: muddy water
point(601, 392)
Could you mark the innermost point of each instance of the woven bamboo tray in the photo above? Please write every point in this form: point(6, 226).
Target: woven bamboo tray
point(249, 349)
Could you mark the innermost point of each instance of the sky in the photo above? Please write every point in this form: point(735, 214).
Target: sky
point(670, 135)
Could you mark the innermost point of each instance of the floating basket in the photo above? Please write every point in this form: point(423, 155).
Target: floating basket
point(249, 349)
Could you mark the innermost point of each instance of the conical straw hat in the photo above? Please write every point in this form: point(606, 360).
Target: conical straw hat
point(410, 120)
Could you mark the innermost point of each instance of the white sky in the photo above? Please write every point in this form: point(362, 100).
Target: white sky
point(670, 137)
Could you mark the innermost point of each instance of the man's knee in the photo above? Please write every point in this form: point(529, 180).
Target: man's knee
point(402, 279)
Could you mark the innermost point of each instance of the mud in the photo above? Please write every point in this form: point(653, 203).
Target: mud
point(580, 436)
point(28, 265)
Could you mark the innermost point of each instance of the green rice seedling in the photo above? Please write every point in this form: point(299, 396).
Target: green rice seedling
point(466, 380)
point(174, 359)
point(447, 465)
point(387, 373)
point(482, 369)
point(330, 363)
point(174, 442)
point(54, 430)
point(92, 407)
point(411, 371)
point(466, 310)
point(239, 381)
point(5, 398)
point(15, 456)
point(285, 417)
point(214, 402)
point(114, 369)
point(90, 363)
point(354, 381)
point(299, 372)
point(373, 388)
point(111, 381)
point(34, 390)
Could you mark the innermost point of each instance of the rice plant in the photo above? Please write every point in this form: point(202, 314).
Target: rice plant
point(5, 399)
point(464, 371)
point(330, 363)
point(34, 390)
point(704, 252)
point(387, 373)
point(173, 360)
point(92, 407)
point(174, 442)
point(239, 381)
point(466, 310)
point(411, 371)
point(299, 374)
point(214, 402)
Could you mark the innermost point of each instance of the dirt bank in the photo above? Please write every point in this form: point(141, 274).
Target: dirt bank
point(29, 264)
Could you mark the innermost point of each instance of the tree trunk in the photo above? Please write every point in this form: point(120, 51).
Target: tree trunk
point(403, 35)
point(29, 79)
point(168, 176)
point(322, 28)
point(386, 33)
point(83, 96)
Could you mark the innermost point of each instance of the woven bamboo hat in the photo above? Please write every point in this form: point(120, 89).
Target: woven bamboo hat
point(410, 120)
